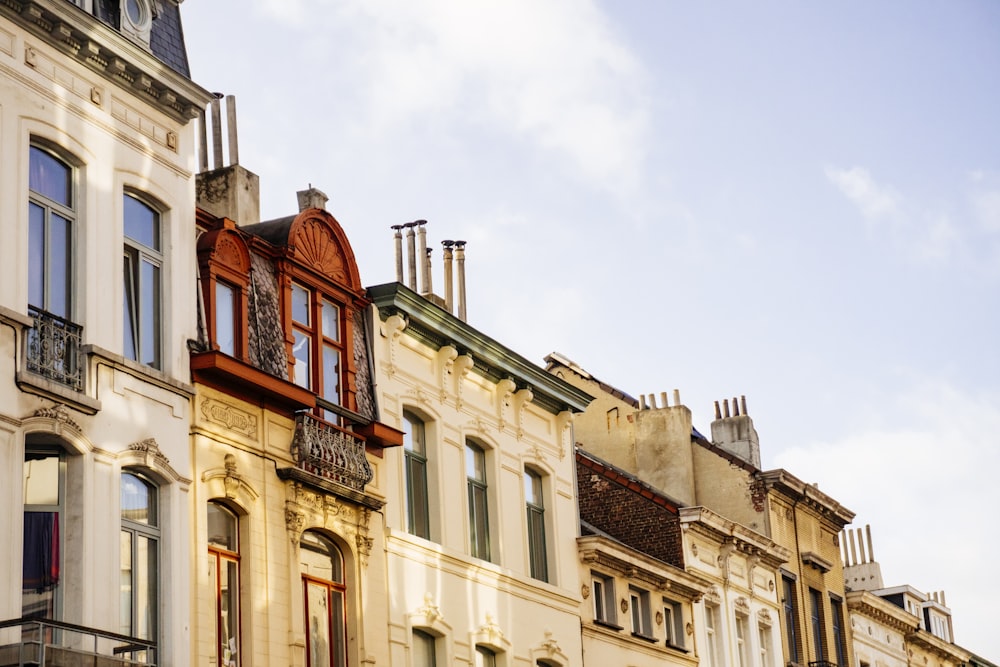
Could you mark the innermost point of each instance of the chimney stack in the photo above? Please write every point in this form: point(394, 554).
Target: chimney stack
point(448, 288)
point(397, 237)
point(460, 261)
point(225, 191)
point(734, 432)
point(311, 198)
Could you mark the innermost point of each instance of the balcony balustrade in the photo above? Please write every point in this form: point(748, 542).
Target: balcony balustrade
point(53, 349)
point(329, 452)
point(47, 643)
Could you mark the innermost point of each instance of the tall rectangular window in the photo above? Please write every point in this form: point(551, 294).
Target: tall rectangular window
point(713, 646)
point(479, 521)
point(44, 502)
point(139, 574)
point(743, 660)
point(225, 317)
point(51, 218)
point(224, 556)
point(816, 623)
point(424, 650)
point(415, 461)
point(603, 592)
point(764, 639)
point(639, 606)
point(837, 608)
point(143, 263)
point(536, 525)
point(790, 608)
point(673, 623)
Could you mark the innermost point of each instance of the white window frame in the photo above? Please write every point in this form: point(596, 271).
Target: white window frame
point(639, 612)
point(602, 588)
point(138, 255)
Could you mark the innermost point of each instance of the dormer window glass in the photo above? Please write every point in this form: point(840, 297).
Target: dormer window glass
point(225, 318)
point(317, 350)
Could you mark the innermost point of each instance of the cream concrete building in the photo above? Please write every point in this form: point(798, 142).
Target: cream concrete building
point(480, 520)
point(97, 167)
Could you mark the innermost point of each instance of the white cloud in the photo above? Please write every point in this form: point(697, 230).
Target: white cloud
point(926, 488)
point(874, 200)
point(553, 74)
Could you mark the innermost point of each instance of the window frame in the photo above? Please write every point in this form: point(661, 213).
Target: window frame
point(673, 623)
point(639, 613)
point(816, 624)
point(334, 589)
point(837, 622)
point(741, 632)
point(602, 587)
point(219, 555)
point(537, 530)
point(415, 474)
point(428, 641)
point(151, 531)
point(67, 212)
point(713, 644)
point(478, 501)
point(55, 602)
point(136, 309)
point(790, 610)
point(319, 342)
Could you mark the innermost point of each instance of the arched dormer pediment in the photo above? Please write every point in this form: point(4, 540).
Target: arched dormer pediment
point(317, 241)
point(225, 248)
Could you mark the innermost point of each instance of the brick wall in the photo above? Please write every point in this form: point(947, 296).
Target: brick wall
point(628, 510)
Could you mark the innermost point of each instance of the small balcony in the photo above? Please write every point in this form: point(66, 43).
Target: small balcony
point(46, 643)
point(822, 663)
point(53, 349)
point(329, 452)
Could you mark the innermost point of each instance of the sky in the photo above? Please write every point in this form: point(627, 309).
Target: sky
point(795, 202)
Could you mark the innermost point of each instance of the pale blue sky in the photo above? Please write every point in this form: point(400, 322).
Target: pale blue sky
point(799, 202)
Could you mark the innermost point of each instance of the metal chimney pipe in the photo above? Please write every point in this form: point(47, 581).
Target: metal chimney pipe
point(448, 288)
point(217, 131)
point(428, 285)
point(203, 142)
point(397, 238)
point(234, 152)
point(460, 260)
point(422, 234)
point(411, 256)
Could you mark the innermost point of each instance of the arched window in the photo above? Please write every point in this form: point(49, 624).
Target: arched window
point(51, 221)
point(535, 507)
point(224, 555)
point(140, 571)
point(143, 264)
point(415, 456)
point(479, 509)
point(324, 593)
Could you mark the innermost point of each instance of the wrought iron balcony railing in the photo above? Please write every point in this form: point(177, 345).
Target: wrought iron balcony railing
point(330, 452)
point(53, 348)
point(28, 641)
point(822, 663)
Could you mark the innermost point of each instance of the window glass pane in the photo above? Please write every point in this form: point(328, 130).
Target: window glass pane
point(129, 314)
point(225, 318)
point(142, 223)
point(149, 311)
point(533, 488)
point(58, 265)
point(331, 374)
point(331, 320)
point(413, 434)
point(229, 612)
point(318, 618)
point(138, 500)
point(301, 370)
point(41, 478)
point(416, 486)
point(36, 255)
point(485, 657)
point(49, 177)
point(300, 304)
point(125, 578)
point(146, 572)
point(423, 650)
point(475, 463)
point(320, 557)
point(222, 527)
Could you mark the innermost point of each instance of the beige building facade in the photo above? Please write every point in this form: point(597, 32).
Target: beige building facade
point(97, 170)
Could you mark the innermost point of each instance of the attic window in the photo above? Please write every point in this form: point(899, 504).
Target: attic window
point(137, 19)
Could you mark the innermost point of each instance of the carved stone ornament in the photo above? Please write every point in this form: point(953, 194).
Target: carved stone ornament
point(316, 247)
point(742, 606)
point(689, 629)
point(294, 521)
point(230, 417)
point(624, 605)
point(694, 550)
point(659, 618)
point(430, 610)
point(150, 448)
point(59, 413)
point(585, 591)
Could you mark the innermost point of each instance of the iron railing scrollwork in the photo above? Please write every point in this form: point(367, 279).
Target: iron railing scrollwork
point(329, 452)
point(53, 348)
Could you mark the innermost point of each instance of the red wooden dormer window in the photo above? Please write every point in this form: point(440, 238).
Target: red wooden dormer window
point(224, 261)
point(321, 292)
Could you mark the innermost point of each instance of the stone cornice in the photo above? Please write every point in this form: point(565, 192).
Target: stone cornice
point(809, 495)
point(436, 327)
point(662, 577)
point(939, 647)
point(705, 522)
point(882, 611)
point(103, 50)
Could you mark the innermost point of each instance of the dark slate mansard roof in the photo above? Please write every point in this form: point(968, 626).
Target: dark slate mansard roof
point(166, 39)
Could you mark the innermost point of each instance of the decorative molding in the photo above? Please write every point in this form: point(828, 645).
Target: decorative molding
point(463, 365)
point(234, 485)
point(316, 247)
point(392, 328)
point(59, 413)
point(764, 618)
point(229, 416)
point(549, 651)
point(446, 363)
point(150, 449)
